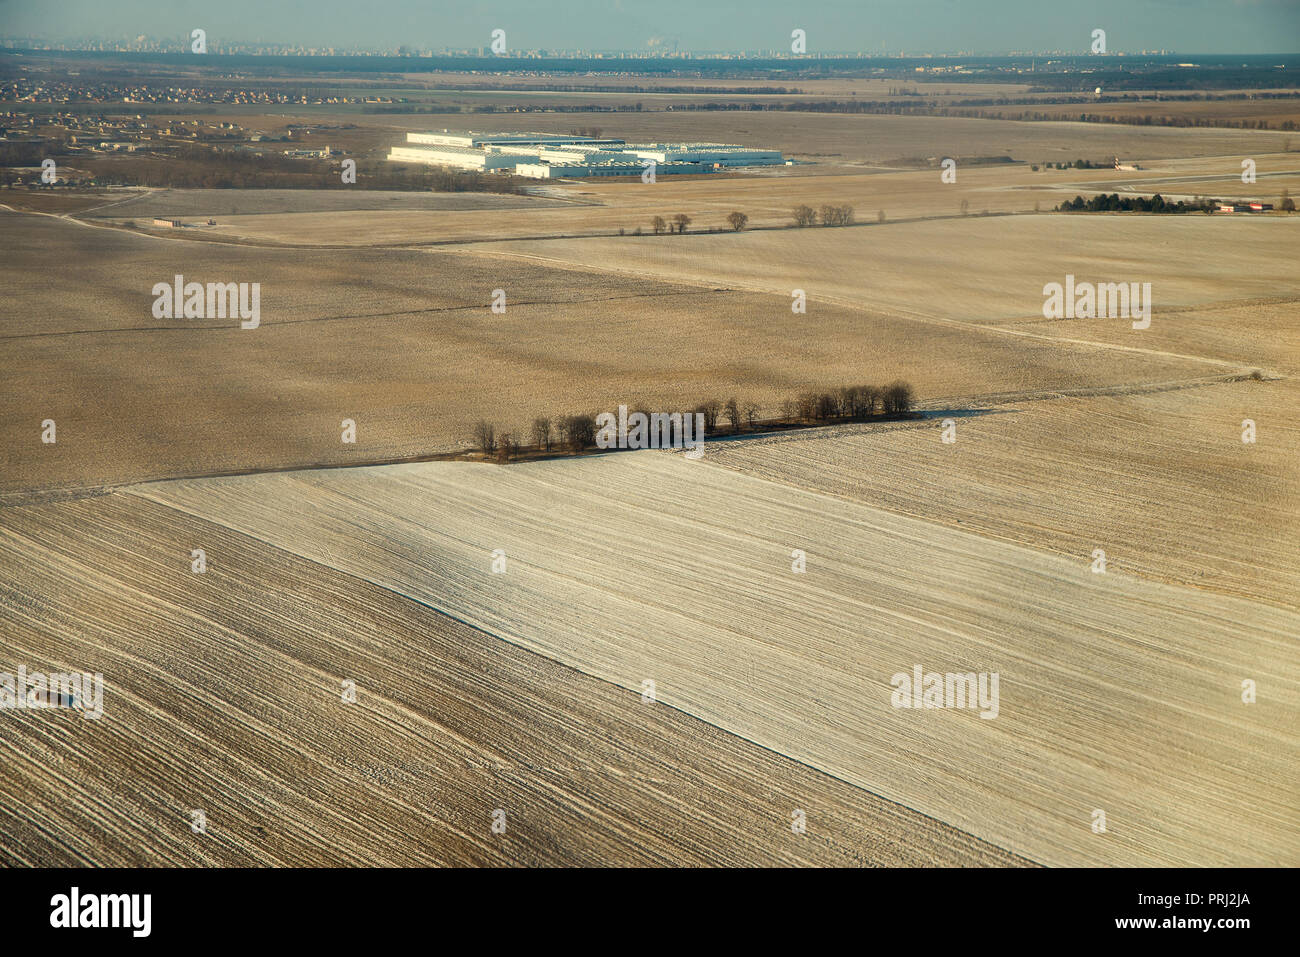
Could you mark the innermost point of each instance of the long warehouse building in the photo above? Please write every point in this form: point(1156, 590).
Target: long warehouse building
point(550, 155)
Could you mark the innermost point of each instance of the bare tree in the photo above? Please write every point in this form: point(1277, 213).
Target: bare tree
point(871, 398)
point(542, 433)
point(804, 216)
point(880, 216)
point(858, 401)
point(658, 225)
point(837, 215)
point(711, 408)
point(484, 436)
point(732, 411)
point(681, 220)
point(581, 431)
point(737, 221)
point(806, 405)
point(897, 398)
point(751, 414)
point(508, 447)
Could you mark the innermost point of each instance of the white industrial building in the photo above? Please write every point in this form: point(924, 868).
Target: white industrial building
point(461, 157)
point(602, 168)
point(482, 140)
point(707, 154)
point(549, 155)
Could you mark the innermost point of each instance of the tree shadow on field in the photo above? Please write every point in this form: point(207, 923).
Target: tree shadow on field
point(961, 413)
point(789, 431)
point(917, 418)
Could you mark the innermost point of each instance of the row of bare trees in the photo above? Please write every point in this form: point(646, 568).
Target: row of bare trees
point(803, 216)
point(569, 431)
point(677, 225)
point(577, 432)
point(850, 402)
point(829, 215)
point(737, 221)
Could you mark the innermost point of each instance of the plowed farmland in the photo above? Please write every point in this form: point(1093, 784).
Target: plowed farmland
point(1189, 260)
point(1118, 693)
point(404, 344)
point(223, 695)
point(1141, 476)
point(636, 658)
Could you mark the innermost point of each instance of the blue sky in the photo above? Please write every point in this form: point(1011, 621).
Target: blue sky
point(880, 26)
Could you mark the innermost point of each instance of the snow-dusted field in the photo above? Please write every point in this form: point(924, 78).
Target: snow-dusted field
point(1160, 480)
point(1116, 693)
point(222, 693)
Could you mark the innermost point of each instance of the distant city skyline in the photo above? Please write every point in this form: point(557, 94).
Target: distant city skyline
point(886, 27)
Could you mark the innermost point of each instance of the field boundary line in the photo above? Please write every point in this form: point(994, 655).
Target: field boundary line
point(895, 312)
point(183, 612)
point(39, 496)
point(430, 310)
point(564, 664)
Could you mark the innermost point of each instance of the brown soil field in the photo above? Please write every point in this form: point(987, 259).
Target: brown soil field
point(165, 203)
point(59, 202)
point(223, 694)
point(1120, 691)
point(1273, 112)
point(404, 344)
point(588, 208)
point(606, 207)
point(1255, 333)
point(1116, 692)
point(1216, 177)
point(1188, 259)
point(1141, 476)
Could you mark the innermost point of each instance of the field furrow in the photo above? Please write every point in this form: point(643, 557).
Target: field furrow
point(223, 694)
point(1117, 693)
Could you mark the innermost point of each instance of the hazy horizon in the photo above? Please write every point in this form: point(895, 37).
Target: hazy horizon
point(1258, 27)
